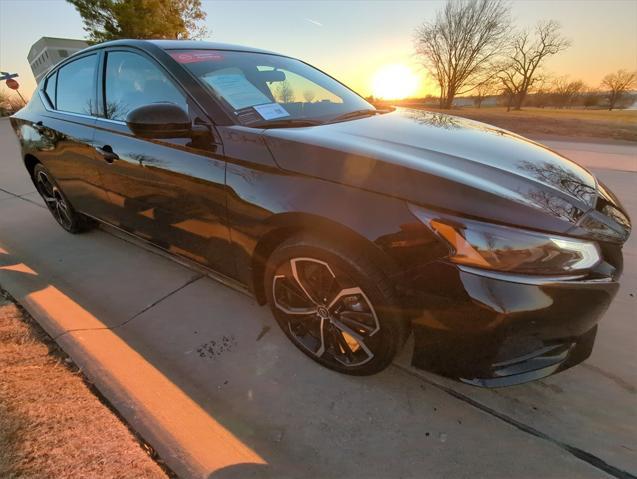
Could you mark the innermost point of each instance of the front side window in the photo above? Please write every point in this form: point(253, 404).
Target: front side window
point(133, 81)
point(76, 86)
point(259, 87)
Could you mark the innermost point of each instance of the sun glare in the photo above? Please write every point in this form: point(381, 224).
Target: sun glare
point(394, 82)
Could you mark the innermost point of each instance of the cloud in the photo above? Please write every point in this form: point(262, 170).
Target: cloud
point(314, 22)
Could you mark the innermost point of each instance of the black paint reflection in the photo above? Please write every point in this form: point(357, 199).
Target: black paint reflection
point(560, 178)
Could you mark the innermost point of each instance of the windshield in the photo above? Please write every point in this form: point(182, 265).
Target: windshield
point(260, 87)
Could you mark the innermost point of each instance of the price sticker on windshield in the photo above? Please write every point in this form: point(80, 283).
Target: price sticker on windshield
point(271, 111)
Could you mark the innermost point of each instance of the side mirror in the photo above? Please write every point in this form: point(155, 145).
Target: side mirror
point(159, 120)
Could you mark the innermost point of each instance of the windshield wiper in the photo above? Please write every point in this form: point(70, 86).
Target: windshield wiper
point(356, 114)
point(291, 123)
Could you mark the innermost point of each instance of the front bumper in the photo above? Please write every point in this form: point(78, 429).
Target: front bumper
point(491, 329)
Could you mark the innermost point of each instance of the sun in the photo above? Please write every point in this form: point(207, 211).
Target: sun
point(394, 82)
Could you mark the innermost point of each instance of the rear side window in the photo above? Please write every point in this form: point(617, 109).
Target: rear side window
point(133, 81)
point(76, 86)
point(51, 82)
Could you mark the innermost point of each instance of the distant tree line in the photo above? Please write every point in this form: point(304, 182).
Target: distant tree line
point(563, 92)
point(471, 48)
point(614, 92)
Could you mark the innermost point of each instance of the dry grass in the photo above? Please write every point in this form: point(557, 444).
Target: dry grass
point(51, 424)
point(566, 123)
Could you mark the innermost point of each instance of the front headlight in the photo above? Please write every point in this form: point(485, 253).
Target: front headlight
point(503, 248)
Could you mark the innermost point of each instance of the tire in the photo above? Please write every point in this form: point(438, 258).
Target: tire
point(335, 304)
point(58, 204)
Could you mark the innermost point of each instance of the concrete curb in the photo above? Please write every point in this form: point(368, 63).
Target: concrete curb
point(153, 406)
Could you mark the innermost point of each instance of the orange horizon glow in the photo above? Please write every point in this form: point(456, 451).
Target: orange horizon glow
point(356, 44)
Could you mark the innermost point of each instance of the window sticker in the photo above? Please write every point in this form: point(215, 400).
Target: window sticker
point(271, 111)
point(237, 90)
point(196, 57)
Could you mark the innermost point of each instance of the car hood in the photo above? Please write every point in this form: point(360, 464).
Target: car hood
point(444, 162)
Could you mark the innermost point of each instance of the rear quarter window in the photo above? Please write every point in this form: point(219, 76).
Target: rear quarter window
point(49, 89)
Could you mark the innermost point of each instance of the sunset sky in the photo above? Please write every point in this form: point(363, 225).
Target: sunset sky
point(354, 40)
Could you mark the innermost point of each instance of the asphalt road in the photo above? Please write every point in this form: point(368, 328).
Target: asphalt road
point(206, 377)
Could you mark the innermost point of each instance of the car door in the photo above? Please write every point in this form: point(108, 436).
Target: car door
point(170, 192)
point(69, 96)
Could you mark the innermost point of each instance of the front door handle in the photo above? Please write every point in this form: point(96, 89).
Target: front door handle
point(108, 154)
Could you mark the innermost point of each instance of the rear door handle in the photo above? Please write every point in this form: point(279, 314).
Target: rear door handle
point(108, 154)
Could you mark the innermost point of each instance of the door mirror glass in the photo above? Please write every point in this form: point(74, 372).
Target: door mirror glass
point(159, 120)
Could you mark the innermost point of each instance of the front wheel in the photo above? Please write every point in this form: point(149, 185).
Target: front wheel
point(57, 203)
point(335, 305)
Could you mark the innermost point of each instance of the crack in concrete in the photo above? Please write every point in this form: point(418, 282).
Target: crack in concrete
point(620, 382)
point(139, 313)
point(587, 457)
point(155, 303)
point(21, 197)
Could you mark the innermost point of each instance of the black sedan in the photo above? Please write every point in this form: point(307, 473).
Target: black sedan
point(357, 226)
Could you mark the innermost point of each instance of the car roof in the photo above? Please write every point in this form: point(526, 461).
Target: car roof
point(199, 45)
point(180, 45)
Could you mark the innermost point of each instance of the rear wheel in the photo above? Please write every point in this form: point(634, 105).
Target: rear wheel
point(335, 305)
point(58, 205)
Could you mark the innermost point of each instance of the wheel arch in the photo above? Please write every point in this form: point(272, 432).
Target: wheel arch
point(29, 162)
point(283, 226)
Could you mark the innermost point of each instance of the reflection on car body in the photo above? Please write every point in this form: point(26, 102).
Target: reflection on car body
point(358, 226)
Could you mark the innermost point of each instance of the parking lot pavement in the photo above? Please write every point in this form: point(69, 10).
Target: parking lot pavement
point(207, 378)
point(612, 155)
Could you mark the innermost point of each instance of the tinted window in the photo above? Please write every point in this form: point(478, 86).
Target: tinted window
point(260, 86)
point(297, 89)
point(76, 86)
point(133, 81)
point(50, 88)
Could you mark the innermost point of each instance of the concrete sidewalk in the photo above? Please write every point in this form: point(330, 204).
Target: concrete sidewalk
point(613, 156)
point(207, 378)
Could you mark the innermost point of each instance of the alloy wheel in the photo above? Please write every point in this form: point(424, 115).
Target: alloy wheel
point(326, 312)
point(54, 200)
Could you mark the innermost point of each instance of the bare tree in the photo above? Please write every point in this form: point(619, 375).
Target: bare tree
point(284, 92)
point(617, 84)
point(522, 66)
point(309, 95)
point(565, 91)
point(482, 91)
point(542, 96)
point(460, 46)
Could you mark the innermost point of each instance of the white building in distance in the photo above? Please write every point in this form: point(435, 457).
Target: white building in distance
point(48, 51)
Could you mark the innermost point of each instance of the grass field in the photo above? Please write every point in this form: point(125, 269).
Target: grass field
point(51, 424)
point(565, 123)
